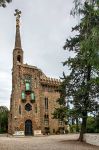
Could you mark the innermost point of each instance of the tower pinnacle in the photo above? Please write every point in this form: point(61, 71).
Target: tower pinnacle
point(17, 38)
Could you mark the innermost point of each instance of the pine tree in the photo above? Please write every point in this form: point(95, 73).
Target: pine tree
point(3, 119)
point(82, 84)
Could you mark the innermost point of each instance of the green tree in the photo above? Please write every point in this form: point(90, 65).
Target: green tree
point(85, 65)
point(3, 119)
point(97, 123)
point(90, 124)
point(82, 84)
point(4, 2)
point(93, 124)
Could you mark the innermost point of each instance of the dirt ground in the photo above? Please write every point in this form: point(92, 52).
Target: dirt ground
point(52, 142)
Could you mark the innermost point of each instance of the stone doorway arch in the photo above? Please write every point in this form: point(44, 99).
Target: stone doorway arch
point(28, 128)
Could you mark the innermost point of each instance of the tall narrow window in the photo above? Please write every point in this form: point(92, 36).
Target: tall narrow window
point(46, 103)
point(36, 108)
point(27, 84)
point(23, 95)
point(19, 58)
point(20, 109)
point(32, 97)
point(46, 120)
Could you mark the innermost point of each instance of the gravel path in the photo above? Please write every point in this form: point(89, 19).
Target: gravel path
point(53, 142)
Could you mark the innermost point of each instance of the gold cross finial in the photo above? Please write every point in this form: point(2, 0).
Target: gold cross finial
point(17, 14)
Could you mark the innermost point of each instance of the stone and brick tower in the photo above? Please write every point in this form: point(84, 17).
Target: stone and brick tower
point(33, 97)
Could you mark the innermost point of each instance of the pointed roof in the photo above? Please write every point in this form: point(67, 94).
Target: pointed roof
point(17, 37)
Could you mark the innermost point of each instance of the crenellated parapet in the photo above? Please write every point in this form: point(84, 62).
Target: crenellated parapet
point(50, 81)
point(44, 80)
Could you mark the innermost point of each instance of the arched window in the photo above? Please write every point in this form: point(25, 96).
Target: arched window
point(28, 107)
point(19, 58)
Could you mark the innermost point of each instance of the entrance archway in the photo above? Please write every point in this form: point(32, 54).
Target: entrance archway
point(28, 128)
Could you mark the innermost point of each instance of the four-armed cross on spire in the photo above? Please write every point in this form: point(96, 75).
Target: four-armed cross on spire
point(17, 37)
point(17, 14)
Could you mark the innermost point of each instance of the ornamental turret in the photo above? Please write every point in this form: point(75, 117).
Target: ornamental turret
point(17, 52)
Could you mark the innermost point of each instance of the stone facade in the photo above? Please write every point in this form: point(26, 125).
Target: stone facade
point(33, 97)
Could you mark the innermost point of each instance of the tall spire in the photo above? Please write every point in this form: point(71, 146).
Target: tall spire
point(17, 38)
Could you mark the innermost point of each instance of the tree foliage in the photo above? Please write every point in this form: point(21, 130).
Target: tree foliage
point(3, 3)
point(82, 84)
point(93, 124)
point(3, 119)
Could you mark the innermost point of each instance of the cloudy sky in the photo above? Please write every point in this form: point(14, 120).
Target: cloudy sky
point(45, 24)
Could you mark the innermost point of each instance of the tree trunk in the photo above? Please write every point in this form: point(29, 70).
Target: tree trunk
point(0, 126)
point(86, 105)
point(77, 125)
point(0, 123)
point(83, 127)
